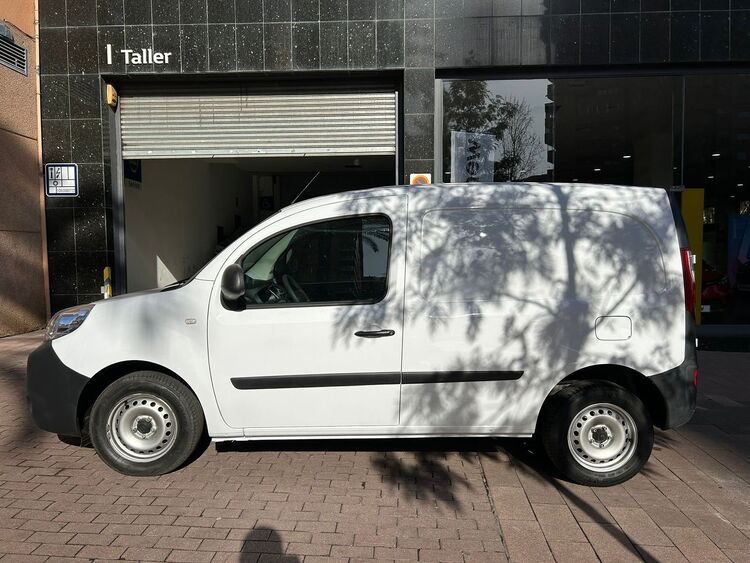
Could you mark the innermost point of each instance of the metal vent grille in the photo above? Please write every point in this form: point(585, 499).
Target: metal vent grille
point(13, 56)
point(236, 124)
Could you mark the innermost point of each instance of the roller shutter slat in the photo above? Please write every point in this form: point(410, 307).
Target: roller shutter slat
point(232, 124)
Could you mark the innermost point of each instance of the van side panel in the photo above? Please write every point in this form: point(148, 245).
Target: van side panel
point(519, 287)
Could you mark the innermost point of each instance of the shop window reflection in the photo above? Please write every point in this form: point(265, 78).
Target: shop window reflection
point(716, 148)
point(687, 131)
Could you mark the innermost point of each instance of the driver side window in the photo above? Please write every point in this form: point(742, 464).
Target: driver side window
point(337, 261)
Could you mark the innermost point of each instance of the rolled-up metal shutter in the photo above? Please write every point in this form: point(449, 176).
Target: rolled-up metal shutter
point(236, 124)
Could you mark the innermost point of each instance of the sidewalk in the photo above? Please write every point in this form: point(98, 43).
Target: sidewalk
point(416, 500)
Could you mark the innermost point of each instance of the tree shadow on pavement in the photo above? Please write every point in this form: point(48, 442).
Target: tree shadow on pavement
point(431, 470)
point(584, 502)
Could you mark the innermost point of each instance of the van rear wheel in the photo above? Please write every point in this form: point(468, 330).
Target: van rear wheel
point(145, 423)
point(596, 433)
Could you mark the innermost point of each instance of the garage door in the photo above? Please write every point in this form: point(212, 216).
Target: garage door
point(238, 124)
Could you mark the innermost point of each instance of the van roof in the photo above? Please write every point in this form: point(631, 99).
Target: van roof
point(580, 189)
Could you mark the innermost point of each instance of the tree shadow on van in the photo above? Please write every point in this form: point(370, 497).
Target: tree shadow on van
point(514, 280)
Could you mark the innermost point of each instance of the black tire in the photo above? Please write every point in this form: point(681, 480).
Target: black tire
point(570, 402)
point(173, 420)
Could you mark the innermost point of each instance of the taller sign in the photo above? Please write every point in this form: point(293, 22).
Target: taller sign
point(140, 57)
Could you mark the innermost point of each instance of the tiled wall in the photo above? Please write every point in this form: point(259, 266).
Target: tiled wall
point(233, 36)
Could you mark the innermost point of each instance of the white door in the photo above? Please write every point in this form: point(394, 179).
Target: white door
point(318, 341)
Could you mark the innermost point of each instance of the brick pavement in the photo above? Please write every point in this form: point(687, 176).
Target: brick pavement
point(422, 500)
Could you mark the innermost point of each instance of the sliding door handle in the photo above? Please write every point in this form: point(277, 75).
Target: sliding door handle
point(374, 333)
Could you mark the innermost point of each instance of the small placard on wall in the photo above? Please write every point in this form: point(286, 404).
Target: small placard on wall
point(420, 179)
point(61, 180)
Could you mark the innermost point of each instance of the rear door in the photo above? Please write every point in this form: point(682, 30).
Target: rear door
point(318, 344)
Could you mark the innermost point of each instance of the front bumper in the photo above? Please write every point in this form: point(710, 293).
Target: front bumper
point(53, 391)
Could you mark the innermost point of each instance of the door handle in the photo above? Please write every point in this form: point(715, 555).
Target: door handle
point(374, 333)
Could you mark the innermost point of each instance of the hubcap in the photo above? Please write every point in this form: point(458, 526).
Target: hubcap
point(142, 427)
point(602, 437)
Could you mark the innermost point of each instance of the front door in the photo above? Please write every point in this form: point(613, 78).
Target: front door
point(318, 340)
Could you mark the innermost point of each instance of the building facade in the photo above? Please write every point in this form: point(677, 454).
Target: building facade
point(22, 275)
point(229, 109)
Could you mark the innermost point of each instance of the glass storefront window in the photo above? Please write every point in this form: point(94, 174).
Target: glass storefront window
point(496, 131)
point(717, 161)
point(691, 131)
point(603, 130)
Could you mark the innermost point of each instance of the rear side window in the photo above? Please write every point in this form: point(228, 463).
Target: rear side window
point(536, 257)
point(338, 261)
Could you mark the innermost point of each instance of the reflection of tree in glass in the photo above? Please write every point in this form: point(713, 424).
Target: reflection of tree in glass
point(520, 148)
point(373, 233)
point(470, 106)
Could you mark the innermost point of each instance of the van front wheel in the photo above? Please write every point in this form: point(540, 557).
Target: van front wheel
point(145, 423)
point(596, 433)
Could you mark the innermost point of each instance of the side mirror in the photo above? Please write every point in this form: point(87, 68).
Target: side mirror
point(233, 283)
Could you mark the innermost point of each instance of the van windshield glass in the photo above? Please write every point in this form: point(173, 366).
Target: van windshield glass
point(338, 261)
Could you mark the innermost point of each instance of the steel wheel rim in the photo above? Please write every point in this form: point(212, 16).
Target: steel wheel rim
point(602, 437)
point(141, 427)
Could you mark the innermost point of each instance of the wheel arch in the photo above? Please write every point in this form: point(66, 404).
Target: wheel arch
point(629, 378)
point(105, 377)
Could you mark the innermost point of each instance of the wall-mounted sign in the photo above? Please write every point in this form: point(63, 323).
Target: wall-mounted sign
point(139, 57)
point(61, 180)
point(472, 157)
point(420, 179)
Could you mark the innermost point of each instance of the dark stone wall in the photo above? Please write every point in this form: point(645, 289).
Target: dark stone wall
point(250, 36)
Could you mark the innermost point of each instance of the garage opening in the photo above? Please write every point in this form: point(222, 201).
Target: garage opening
point(200, 169)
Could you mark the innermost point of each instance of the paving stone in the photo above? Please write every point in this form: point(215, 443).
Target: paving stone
point(558, 523)
point(511, 503)
point(609, 542)
point(719, 530)
point(639, 527)
point(664, 515)
point(101, 552)
point(661, 554)
point(525, 541)
point(694, 544)
point(572, 552)
point(737, 555)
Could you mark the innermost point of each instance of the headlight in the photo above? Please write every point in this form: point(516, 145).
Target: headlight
point(66, 321)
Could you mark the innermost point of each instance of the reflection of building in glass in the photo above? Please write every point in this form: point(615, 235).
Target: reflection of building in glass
point(615, 130)
point(691, 131)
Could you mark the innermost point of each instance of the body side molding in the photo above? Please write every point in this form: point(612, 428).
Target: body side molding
point(352, 379)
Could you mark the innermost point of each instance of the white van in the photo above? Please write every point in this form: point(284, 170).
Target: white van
point(562, 311)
